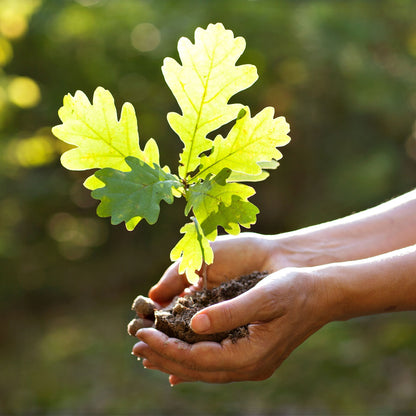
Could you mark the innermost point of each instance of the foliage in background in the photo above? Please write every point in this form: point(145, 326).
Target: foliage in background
point(343, 73)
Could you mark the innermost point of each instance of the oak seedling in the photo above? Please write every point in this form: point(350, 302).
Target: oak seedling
point(129, 180)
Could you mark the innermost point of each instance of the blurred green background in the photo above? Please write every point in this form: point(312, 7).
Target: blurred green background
point(342, 72)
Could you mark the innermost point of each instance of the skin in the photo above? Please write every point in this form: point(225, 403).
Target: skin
point(359, 265)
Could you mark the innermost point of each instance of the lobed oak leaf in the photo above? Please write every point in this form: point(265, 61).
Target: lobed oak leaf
point(202, 86)
point(216, 202)
point(135, 194)
point(193, 249)
point(250, 146)
point(100, 139)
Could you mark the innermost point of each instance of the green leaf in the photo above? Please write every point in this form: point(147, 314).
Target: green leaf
point(101, 139)
point(230, 217)
point(245, 177)
point(194, 249)
point(216, 202)
point(129, 196)
point(203, 85)
point(250, 146)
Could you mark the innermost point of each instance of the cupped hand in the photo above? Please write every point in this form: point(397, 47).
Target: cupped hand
point(234, 256)
point(282, 311)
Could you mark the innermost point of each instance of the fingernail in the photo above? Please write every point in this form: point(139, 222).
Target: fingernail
point(138, 334)
point(200, 323)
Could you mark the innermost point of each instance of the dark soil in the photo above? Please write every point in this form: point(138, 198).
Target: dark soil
point(174, 320)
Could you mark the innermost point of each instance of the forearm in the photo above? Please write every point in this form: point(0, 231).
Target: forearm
point(387, 227)
point(383, 283)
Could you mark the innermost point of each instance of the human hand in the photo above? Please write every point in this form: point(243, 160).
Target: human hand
point(283, 310)
point(235, 256)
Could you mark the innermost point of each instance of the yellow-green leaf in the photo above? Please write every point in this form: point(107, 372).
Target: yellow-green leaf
point(194, 249)
point(203, 85)
point(216, 202)
point(250, 143)
point(100, 139)
point(245, 177)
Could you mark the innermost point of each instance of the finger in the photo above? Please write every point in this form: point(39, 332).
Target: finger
point(147, 364)
point(248, 359)
point(202, 356)
point(154, 361)
point(225, 316)
point(178, 374)
point(150, 366)
point(170, 285)
point(174, 380)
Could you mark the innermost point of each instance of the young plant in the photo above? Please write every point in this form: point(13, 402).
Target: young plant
point(130, 181)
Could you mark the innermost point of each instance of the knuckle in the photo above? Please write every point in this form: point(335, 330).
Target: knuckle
point(228, 315)
point(176, 350)
point(269, 301)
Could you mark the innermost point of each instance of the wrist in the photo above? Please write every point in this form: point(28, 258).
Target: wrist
point(302, 249)
point(383, 283)
point(332, 295)
point(322, 299)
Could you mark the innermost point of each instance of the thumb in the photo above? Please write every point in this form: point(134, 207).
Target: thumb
point(230, 314)
point(170, 285)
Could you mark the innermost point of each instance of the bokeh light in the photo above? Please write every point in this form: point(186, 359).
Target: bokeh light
point(24, 92)
point(6, 51)
point(76, 235)
point(12, 24)
point(14, 16)
point(145, 37)
point(31, 152)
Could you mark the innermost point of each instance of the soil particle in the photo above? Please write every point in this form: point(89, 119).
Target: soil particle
point(144, 307)
point(138, 323)
point(174, 319)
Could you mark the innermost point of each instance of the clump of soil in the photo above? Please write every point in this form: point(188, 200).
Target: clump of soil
point(174, 320)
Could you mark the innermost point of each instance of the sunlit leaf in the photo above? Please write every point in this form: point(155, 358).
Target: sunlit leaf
point(250, 141)
point(230, 217)
point(101, 139)
point(203, 85)
point(216, 202)
point(194, 249)
point(245, 177)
